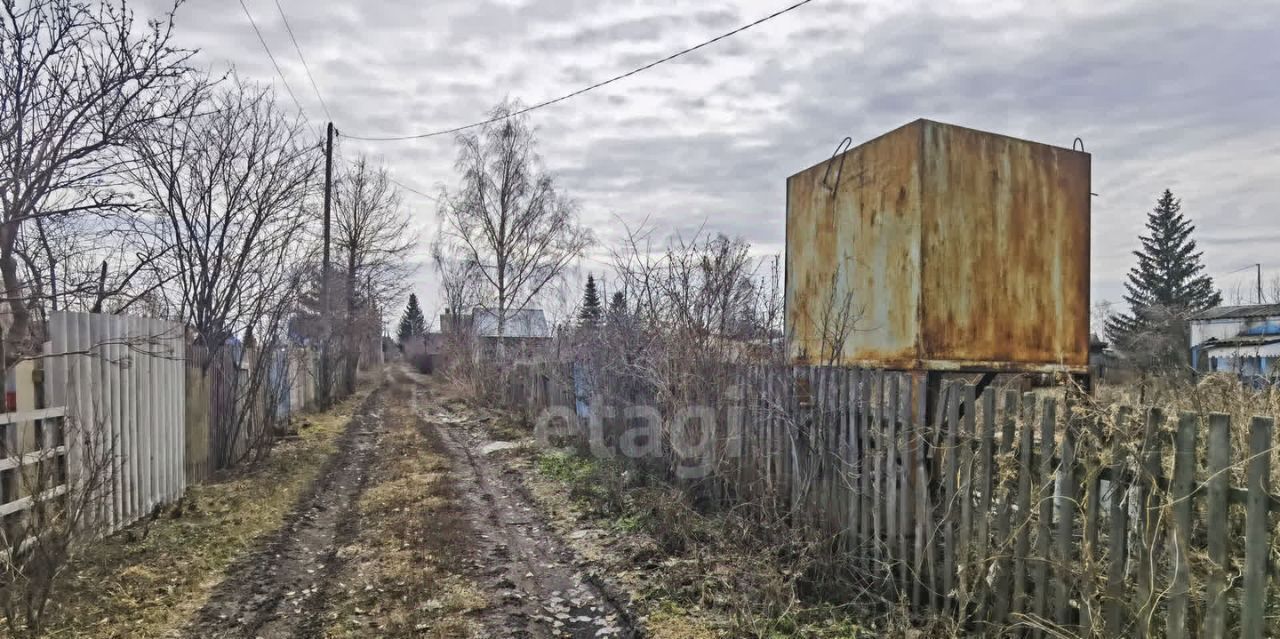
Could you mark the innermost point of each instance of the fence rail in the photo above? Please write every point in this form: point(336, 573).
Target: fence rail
point(29, 439)
point(1010, 510)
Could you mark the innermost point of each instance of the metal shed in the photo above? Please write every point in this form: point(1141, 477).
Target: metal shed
point(949, 249)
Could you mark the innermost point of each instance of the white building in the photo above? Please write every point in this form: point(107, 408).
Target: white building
point(1237, 339)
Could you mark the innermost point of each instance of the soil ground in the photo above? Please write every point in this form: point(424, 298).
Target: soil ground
point(415, 527)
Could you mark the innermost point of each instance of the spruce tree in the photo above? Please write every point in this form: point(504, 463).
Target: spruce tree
point(591, 310)
point(413, 323)
point(1164, 288)
point(618, 305)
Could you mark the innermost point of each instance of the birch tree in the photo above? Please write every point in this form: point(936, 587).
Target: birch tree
point(507, 215)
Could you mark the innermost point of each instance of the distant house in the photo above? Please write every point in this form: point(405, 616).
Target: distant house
point(1101, 358)
point(1244, 340)
point(525, 332)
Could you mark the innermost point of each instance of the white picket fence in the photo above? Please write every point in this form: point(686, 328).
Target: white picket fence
point(122, 381)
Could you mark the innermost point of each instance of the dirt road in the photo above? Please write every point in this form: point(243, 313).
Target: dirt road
point(273, 592)
point(467, 523)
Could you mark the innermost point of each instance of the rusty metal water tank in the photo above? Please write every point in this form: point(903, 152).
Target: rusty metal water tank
point(937, 247)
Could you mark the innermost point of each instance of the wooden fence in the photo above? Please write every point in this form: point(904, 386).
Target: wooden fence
point(33, 463)
point(1018, 513)
point(228, 411)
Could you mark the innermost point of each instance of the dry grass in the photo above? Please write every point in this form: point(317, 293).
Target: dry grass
point(691, 575)
point(149, 579)
point(397, 579)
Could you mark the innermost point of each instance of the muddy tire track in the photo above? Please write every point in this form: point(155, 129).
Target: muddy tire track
point(278, 591)
point(536, 586)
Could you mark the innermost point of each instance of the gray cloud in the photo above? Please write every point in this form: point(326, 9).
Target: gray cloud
point(1165, 94)
point(646, 29)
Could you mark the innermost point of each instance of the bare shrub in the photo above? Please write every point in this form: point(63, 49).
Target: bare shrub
point(67, 493)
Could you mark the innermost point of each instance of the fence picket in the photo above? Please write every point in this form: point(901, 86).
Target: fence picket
point(1148, 518)
point(1184, 468)
point(1066, 510)
point(986, 485)
point(936, 512)
point(1215, 617)
point(852, 495)
point(923, 525)
point(1003, 588)
point(1092, 523)
point(830, 453)
point(1044, 497)
point(876, 434)
point(890, 474)
point(866, 541)
point(1118, 534)
point(902, 442)
point(950, 492)
point(967, 425)
point(1257, 539)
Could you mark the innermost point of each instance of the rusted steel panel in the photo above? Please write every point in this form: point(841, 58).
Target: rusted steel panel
point(953, 249)
point(1006, 235)
point(853, 256)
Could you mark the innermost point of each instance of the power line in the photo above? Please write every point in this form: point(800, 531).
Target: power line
point(273, 62)
point(413, 190)
point(586, 89)
point(305, 66)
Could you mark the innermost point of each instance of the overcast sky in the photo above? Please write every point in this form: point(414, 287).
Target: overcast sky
point(1182, 95)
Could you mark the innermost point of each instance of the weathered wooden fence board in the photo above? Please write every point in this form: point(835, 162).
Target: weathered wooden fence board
point(1016, 515)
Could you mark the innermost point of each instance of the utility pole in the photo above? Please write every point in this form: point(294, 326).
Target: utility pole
point(325, 369)
point(1259, 265)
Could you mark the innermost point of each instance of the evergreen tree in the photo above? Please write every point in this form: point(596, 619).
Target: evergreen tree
point(591, 310)
point(413, 323)
point(1164, 288)
point(618, 305)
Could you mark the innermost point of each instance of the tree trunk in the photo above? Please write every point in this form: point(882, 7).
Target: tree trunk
point(351, 339)
point(16, 335)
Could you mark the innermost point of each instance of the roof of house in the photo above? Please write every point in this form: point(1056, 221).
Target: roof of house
point(1241, 341)
point(521, 322)
point(1238, 312)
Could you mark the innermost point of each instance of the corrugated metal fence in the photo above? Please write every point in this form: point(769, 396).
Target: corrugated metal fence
point(166, 413)
point(122, 379)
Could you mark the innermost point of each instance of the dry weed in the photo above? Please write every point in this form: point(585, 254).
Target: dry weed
point(147, 580)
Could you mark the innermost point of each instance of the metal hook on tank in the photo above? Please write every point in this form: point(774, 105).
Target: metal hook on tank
point(1080, 142)
point(845, 144)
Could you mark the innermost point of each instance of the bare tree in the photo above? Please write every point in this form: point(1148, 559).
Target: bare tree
point(227, 192)
point(507, 216)
point(227, 195)
point(78, 82)
point(460, 278)
point(79, 263)
point(372, 239)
